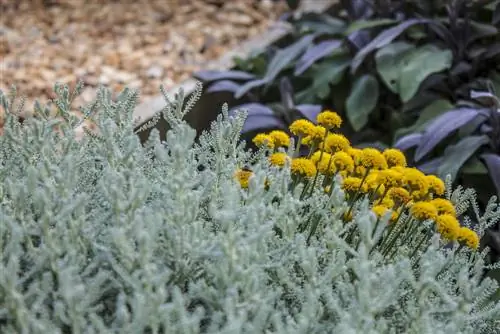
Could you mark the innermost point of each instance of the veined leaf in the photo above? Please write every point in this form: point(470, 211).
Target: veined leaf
point(315, 53)
point(281, 59)
point(382, 40)
point(362, 101)
point(443, 126)
point(388, 61)
point(406, 142)
point(493, 163)
point(327, 73)
point(418, 65)
point(403, 67)
point(456, 155)
point(429, 113)
point(364, 24)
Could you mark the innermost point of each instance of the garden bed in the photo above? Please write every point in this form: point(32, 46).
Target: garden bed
point(136, 44)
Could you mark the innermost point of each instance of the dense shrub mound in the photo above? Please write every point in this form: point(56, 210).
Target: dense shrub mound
point(105, 235)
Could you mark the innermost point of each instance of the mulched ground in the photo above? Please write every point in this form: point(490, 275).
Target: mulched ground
point(139, 44)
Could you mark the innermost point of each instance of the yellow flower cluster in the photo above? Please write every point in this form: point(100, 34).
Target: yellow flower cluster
point(382, 176)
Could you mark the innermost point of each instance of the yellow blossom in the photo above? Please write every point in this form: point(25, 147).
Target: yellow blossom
point(423, 210)
point(469, 237)
point(352, 184)
point(415, 180)
point(394, 157)
point(301, 127)
point(280, 138)
point(316, 135)
point(243, 177)
point(373, 159)
point(263, 140)
point(342, 162)
point(355, 154)
point(389, 178)
point(399, 195)
point(436, 185)
point(335, 142)
point(303, 167)
point(329, 119)
point(448, 226)
point(381, 210)
point(278, 159)
point(444, 206)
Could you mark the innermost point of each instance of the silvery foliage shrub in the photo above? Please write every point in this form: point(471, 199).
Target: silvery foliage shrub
point(105, 235)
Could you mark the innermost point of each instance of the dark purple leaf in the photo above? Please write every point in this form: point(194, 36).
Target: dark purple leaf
point(492, 161)
point(382, 40)
point(280, 60)
point(315, 53)
point(496, 15)
point(259, 117)
point(443, 126)
point(406, 142)
point(493, 51)
point(249, 86)
point(485, 129)
point(461, 68)
point(213, 75)
point(441, 31)
point(456, 155)
point(359, 38)
point(431, 166)
point(309, 111)
point(359, 9)
point(223, 86)
point(485, 98)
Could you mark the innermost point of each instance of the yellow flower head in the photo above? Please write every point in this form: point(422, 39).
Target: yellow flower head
point(278, 159)
point(387, 202)
point(389, 178)
point(263, 140)
point(423, 210)
point(444, 206)
point(394, 157)
point(335, 142)
point(303, 167)
point(329, 119)
point(359, 171)
point(342, 162)
point(317, 134)
point(243, 177)
point(301, 127)
point(280, 138)
point(372, 179)
point(448, 226)
point(415, 180)
point(436, 185)
point(399, 195)
point(373, 159)
point(355, 154)
point(348, 216)
point(468, 237)
point(352, 184)
point(325, 165)
point(381, 210)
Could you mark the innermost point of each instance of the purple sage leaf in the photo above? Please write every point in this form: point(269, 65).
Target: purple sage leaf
point(309, 111)
point(382, 40)
point(443, 126)
point(259, 117)
point(492, 161)
point(214, 75)
point(431, 166)
point(315, 53)
point(406, 142)
point(223, 86)
point(456, 155)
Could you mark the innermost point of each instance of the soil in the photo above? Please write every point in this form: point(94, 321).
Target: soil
point(139, 44)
